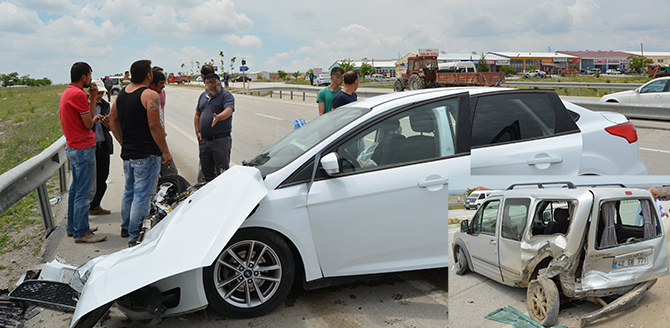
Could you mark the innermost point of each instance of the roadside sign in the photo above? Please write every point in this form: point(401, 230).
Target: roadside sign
point(429, 52)
point(244, 68)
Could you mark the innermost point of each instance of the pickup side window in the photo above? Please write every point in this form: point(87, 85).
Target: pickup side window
point(512, 117)
point(552, 216)
point(626, 221)
point(515, 214)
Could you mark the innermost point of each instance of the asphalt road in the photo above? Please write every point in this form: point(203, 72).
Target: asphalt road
point(473, 296)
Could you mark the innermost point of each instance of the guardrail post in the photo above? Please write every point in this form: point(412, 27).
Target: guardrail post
point(303, 96)
point(45, 208)
point(291, 94)
point(270, 94)
point(580, 92)
point(62, 178)
point(279, 94)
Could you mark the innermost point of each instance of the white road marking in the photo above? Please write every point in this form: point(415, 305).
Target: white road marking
point(190, 137)
point(268, 116)
point(656, 150)
point(187, 135)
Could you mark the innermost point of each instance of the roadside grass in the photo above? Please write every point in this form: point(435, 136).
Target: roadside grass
point(29, 123)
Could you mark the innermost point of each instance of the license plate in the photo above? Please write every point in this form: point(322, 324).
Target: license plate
point(634, 260)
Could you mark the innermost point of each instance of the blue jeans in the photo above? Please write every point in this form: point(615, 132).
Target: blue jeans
point(82, 189)
point(141, 178)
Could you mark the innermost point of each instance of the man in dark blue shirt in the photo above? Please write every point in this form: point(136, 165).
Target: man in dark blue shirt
point(348, 92)
point(213, 125)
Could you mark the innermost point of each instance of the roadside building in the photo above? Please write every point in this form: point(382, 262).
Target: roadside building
point(659, 58)
point(550, 62)
point(381, 66)
point(601, 60)
point(494, 62)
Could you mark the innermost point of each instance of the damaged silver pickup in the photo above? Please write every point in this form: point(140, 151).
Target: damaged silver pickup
point(604, 245)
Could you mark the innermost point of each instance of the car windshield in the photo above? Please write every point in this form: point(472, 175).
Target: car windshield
point(301, 140)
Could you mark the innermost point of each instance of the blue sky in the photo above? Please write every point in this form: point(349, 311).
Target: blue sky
point(44, 37)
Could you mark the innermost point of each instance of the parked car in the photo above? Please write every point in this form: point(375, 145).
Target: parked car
point(310, 206)
point(590, 71)
point(585, 244)
point(116, 85)
point(242, 78)
point(476, 198)
point(612, 71)
point(654, 92)
point(379, 77)
point(321, 79)
point(535, 74)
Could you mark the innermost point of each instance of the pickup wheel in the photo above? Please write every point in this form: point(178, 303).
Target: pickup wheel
point(543, 301)
point(461, 262)
point(399, 85)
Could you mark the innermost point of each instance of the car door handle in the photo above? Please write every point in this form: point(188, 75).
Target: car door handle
point(545, 160)
point(493, 242)
point(433, 182)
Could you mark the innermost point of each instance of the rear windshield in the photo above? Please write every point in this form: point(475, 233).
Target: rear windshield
point(627, 221)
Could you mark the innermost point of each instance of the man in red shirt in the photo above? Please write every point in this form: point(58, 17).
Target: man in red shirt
point(77, 116)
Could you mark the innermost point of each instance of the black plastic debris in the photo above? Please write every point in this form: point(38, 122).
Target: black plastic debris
point(52, 294)
point(14, 314)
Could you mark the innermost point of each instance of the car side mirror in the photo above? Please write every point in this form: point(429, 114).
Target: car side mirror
point(464, 226)
point(637, 90)
point(331, 163)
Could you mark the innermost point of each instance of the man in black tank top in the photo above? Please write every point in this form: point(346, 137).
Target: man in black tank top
point(135, 122)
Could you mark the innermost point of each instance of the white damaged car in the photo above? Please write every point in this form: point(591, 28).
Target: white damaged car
point(361, 190)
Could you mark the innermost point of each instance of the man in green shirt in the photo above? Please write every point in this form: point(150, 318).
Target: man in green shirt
point(325, 97)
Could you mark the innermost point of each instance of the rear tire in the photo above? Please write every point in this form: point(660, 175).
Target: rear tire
point(251, 276)
point(543, 301)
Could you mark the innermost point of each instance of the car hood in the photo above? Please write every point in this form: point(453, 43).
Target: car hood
point(188, 238)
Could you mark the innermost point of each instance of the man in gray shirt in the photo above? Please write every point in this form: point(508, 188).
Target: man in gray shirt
point(213, 125)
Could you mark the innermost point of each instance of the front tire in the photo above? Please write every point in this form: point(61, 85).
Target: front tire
point(543, 301)
point(415, 82)
point(461, 262)
point(251, 276)
point(399, 85)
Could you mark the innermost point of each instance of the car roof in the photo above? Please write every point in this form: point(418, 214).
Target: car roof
point(598, 192)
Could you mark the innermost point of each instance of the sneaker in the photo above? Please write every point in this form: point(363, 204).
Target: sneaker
point(132, 243)
point(98, 210)
point(93, 229)
point(124, 233)
point(89, 237)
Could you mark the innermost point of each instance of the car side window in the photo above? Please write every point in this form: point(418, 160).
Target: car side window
point(627, 221)
point(490, 217)
point(552, 216)
point(654, 86)
point(512, 117)
point(421, 133)
point(515, 214)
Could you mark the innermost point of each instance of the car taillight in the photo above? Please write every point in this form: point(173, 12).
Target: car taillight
point(625, 130)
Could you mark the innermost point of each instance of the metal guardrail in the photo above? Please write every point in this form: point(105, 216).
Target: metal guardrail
point(578, 85)
point(33, 174)
point(658, 113)
point(290, 91)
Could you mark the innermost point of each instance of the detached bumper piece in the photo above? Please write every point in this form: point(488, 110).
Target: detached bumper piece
point(512, 316)
point(51, 294)
point(631, 298)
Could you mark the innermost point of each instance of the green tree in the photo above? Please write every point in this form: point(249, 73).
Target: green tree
point(367, 69)
point(531, 67)
point(223, 66)
point(281, 74)
point(197, 65)
point(508, 70)
point(347, 65)
point(639, 63)
point(482, 66)
point(10, 79)
point(232, 63)
point(469, 191)
point(296, 74)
